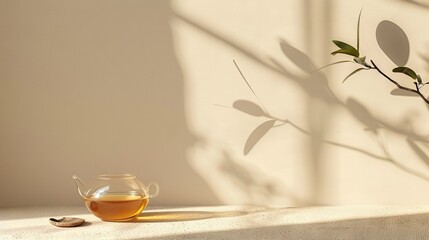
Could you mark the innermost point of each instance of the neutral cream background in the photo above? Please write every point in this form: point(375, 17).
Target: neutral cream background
point(147, 87)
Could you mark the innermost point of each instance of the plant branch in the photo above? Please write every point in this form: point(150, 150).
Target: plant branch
point(399, 85)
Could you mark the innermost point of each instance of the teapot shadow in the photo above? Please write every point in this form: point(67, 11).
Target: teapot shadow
point(178, 216)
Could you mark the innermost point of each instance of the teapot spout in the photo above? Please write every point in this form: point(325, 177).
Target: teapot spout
point(81, 186)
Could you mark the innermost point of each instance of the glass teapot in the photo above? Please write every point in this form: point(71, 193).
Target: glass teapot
point(116, 197)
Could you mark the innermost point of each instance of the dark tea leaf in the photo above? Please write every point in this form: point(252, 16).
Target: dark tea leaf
point(405, 70)
point(345, 49)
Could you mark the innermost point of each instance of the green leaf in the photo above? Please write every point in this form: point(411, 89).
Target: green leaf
point(406, 71)
point(358, 26)
point(331, 65)
point(352, 73)
point(345, 49)
point(419, 79)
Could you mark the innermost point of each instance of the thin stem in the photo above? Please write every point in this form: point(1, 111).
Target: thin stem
point(399, 85)
point(248, 84)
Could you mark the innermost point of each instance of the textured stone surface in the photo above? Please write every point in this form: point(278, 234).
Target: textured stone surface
point(225, 222)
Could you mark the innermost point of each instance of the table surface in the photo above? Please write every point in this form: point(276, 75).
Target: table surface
point(225, 222)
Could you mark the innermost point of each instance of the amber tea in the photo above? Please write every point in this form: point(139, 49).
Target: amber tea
point(116, 197)
point(116, 207)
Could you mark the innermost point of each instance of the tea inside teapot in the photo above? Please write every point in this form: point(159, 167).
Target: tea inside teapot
point(116, 197)
point(116, 207)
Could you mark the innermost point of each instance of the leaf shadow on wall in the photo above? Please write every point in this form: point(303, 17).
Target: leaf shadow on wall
point(372, 124)
point(393, 41)
point(316, 86)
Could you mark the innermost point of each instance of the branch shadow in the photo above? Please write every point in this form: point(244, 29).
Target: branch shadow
point(418, 150)
point(315, 84)
point(355, 108)
point(273, 65)
point(362, 114)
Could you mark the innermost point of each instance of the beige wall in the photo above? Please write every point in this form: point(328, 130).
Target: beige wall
point(147, 87)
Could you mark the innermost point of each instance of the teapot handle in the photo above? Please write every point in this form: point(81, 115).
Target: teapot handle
point(154, 184)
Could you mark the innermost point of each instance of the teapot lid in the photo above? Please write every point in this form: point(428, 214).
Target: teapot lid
point(116, 176)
